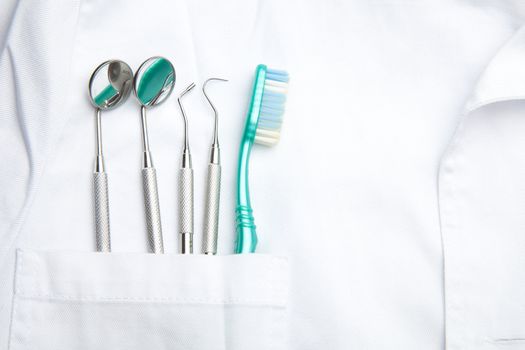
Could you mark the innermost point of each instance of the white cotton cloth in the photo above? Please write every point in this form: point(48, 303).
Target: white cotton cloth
point(390, 215)
point(75, 300)
point(481, 202)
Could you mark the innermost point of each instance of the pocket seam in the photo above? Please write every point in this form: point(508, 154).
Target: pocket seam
point(30, 265)
point(209, 301)
point(14, 332)
point(273, 298)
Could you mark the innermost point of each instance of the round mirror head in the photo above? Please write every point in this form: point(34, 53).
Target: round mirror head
point(154, 81)
point(110, 84)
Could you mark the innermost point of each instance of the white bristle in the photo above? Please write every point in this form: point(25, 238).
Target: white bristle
point(276, 85)
point(276, 89)
point(272, 108)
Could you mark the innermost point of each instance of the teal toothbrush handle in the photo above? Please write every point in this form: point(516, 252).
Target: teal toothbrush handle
point(246, 235)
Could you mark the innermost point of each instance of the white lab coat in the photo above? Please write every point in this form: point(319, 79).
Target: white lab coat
point(390, 216)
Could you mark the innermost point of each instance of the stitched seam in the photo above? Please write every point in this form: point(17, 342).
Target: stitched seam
point(59, 297)
point(14, 308)
point(453, 310)
point(506, 341)
point(18, 271)
point(279, 291)
point(271, 269)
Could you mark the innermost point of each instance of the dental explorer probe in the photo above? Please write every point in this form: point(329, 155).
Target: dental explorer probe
point(185, 188)
point(109, 86)
point(213, 185)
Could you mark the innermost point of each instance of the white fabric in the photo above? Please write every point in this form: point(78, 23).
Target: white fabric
point(387, 248)
point(481, 202)
point(170, 301)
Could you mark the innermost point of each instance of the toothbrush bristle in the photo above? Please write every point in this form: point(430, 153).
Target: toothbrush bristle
point(272, 107)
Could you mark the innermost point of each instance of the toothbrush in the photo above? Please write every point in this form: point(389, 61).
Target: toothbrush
point(263, 126)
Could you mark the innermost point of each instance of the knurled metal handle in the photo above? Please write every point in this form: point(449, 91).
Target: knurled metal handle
point(152, 207)
point(186, 210)
point(211, 212)
point(100, 189)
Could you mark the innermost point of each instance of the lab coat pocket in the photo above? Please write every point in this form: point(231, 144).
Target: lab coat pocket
point(88, 301)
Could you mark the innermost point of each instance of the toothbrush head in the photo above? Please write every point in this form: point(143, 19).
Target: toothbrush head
point(271, 103)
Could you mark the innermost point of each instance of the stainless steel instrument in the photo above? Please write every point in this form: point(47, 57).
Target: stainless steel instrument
point(213, 186)
point(185, 188)
point(152, 85)
point(109, 86)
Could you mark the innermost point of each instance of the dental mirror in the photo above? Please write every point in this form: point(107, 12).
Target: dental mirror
point(109, 86)
point(154, 81)
point(152, 85)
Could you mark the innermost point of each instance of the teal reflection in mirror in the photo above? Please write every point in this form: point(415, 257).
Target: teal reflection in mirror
point(110, 84)
point(154, 81)
point(107, 95)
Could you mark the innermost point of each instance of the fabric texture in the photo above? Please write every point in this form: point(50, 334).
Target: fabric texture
point(394, 193)
point(73, 300)
point(481, 204)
